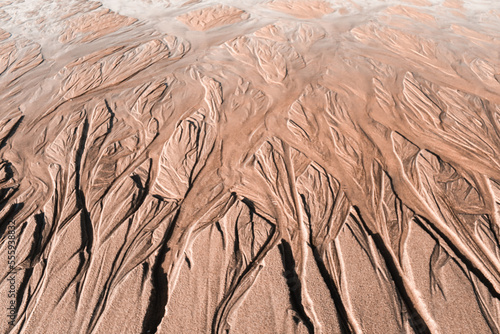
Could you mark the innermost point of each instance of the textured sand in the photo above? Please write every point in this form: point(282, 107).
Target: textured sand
point(250, 166)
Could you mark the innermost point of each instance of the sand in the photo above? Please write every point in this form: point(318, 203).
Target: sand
point(249, 166)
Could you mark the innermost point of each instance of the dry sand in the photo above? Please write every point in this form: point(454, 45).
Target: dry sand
point(249, 166)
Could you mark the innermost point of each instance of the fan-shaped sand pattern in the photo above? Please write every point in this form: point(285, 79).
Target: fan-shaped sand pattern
point(270, 167)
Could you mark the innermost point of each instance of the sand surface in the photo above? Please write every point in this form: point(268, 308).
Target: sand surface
point(245, 166)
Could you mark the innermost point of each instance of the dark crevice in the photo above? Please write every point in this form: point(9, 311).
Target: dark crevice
point(294, 284)
point(37, 236)
point(426, 226)
point(327, 278)
point(86, 223)
point(22, 287)
point(334, 293)
point(417, 322)
point(224, 308)
point(159, 292)
point(14, 128)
